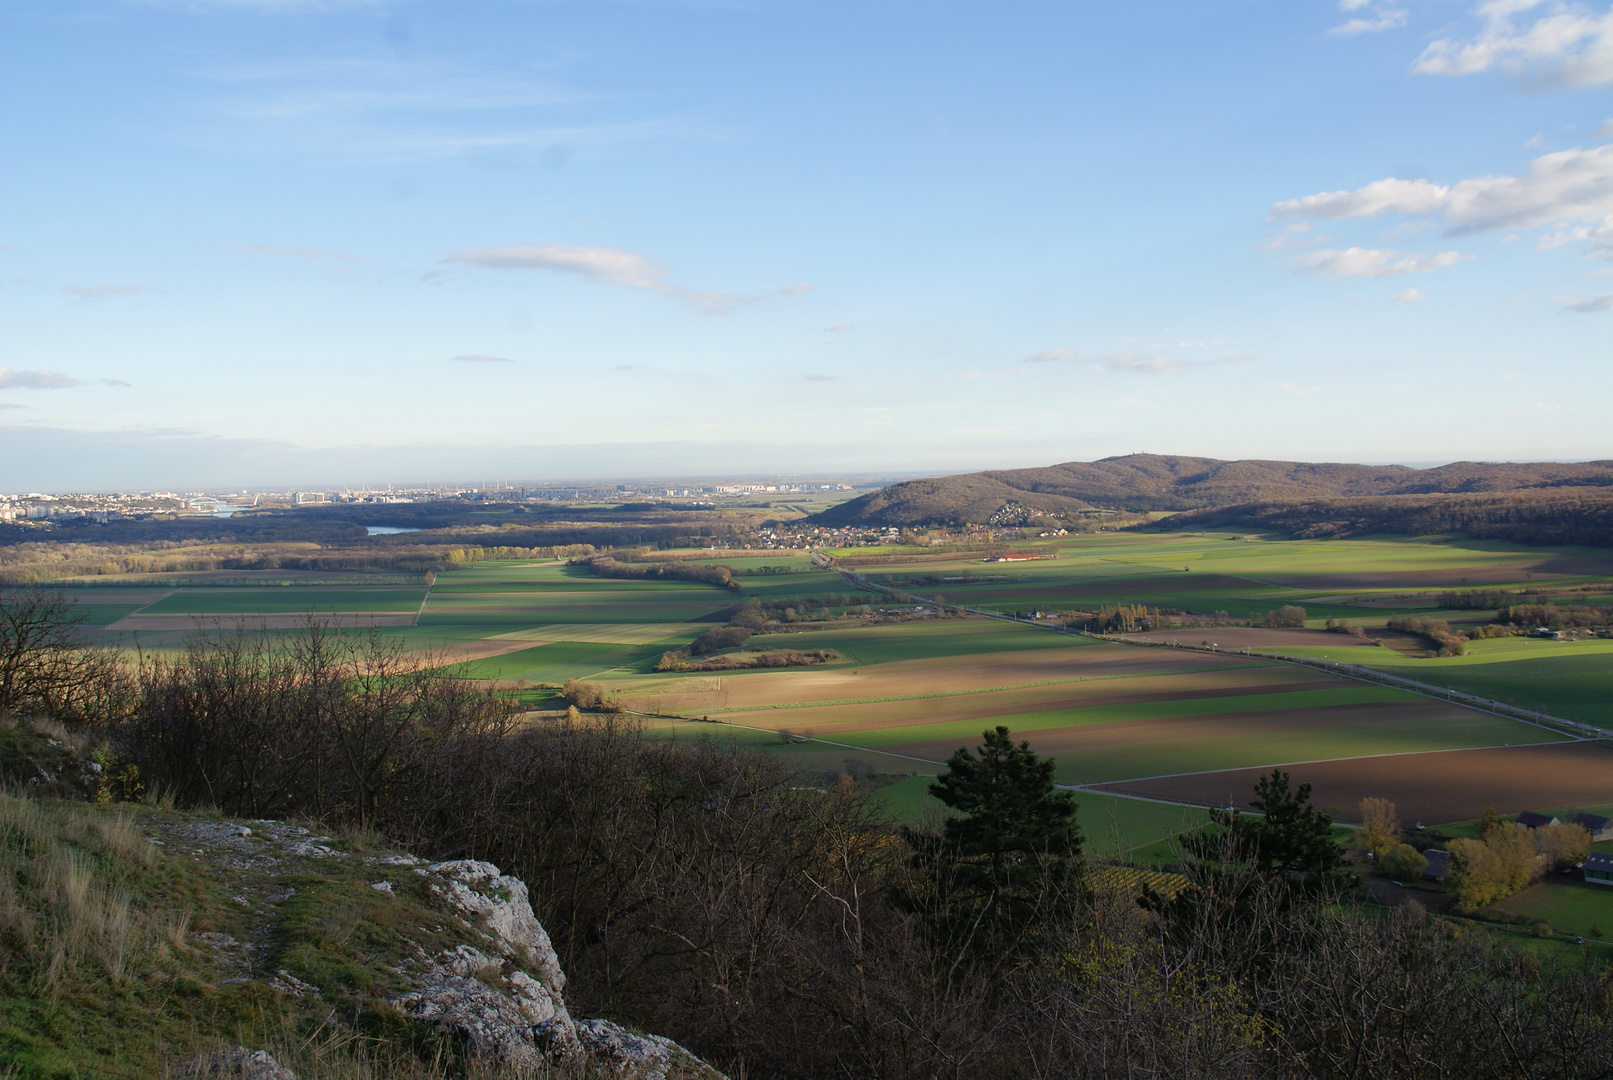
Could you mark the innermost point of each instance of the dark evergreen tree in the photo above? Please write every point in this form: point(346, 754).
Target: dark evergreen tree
point(1289, 836)
point(1009, 859)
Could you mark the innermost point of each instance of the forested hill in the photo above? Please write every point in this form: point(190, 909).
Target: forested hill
point(1145, 482)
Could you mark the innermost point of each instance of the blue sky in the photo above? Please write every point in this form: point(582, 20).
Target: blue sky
point(294, 241)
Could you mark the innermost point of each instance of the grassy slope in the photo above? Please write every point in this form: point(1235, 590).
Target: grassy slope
point(118, 954)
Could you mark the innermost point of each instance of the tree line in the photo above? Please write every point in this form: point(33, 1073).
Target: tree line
point(1554, 516)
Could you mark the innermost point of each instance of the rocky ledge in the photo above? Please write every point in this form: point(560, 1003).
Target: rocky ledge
point(485, 976)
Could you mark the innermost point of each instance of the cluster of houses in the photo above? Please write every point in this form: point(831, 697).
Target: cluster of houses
point(1598, 867)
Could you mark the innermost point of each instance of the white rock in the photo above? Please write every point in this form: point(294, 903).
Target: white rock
point(501, 905)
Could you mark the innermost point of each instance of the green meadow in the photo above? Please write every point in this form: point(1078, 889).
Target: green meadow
point(1573, 679)
point(283, 600)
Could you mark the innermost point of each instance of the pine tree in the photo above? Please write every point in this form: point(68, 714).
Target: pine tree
point(1009, 859)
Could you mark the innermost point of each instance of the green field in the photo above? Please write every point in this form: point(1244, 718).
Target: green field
point(1569, 907)
point(292, 600)
point(1573, 679)
point(1240, 575)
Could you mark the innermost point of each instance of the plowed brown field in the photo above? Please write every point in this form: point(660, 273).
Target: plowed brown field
point(1454, 785)
point(951, 674)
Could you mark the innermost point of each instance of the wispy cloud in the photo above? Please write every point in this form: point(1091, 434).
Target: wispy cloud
point(1408, 295)
point(272, 7)
point(796, 289)
point(1144, 364)
point(608, 265)
point(1592, 305)
point(1377, 17)
point(1294, 235)
point(1053, 356)
point(482, 358)
point(104, 292)
point(35, 380)
point(405, 109)
point(818, 378)
point(838, 328)
point(1373, 262)
point(1558, 42)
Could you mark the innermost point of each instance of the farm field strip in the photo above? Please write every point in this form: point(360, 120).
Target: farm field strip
point(1096, 749)
point(1351, 757)
point(1005, 688)
point(883, 730)
point(608, 633)
point(1434, 788)
point(287, 600)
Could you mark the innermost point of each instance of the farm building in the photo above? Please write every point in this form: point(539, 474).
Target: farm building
point(1599, 827)
point(1531, 820)
point(1599, 868)
point(1439, 864)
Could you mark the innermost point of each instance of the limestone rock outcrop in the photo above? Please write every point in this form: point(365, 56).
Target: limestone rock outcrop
point(506, 1001)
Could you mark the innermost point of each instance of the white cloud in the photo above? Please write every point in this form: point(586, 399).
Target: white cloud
point(482, 358)
point(794, 290)
point(1381, 19)
point(608, 265)
point(1373, 262)
point(1409, 295)
point(1558, 42)
point(1570, 188)
point(1401, 196)
point(1604, 130)
point(1592, 305)
point(838, 328)
point(35, 380)
point(1050, 356)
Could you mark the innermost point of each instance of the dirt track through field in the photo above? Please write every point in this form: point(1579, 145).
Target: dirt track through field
point(1453, 785)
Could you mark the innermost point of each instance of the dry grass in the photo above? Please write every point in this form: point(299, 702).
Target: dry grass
point(65, 910)
point(333, 1053)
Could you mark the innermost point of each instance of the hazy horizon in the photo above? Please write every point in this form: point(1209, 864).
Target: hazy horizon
point(276, 242)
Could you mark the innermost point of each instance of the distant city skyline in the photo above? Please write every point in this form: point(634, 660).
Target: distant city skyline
point(306, 242)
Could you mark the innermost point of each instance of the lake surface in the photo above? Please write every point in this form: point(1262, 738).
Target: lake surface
point(386, 530)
